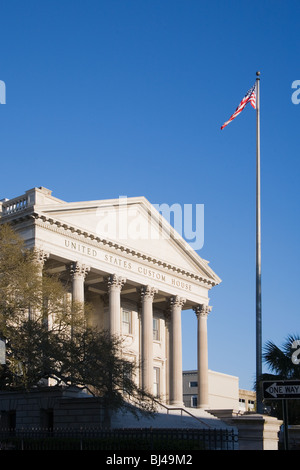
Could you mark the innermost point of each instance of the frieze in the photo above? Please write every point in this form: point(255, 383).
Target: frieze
point(118, 261)
point(80, 248)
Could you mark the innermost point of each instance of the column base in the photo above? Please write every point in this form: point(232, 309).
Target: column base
point(177, 403)
point(203, 407)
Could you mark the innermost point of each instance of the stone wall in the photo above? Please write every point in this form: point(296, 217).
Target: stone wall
point(79, 412)
point(255, 431)
point(50, 408)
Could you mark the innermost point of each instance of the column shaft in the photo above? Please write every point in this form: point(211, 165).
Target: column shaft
point(40, 257)
point(79, 272)
point(202, 312)
point(147, 295)
point(115, 284)
point(176, 392)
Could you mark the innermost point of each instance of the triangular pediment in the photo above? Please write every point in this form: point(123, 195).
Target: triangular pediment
point(134, 224)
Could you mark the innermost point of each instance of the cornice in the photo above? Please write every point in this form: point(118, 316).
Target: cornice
point(79, 234)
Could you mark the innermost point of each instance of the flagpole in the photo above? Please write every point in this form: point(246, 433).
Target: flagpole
point(259, 405)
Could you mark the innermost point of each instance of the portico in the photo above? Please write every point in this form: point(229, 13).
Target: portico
point(137, 273)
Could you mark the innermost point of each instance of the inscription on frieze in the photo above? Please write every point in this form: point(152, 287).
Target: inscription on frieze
point(118, 261)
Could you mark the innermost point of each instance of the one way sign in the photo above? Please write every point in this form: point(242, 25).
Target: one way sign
point(282, 389)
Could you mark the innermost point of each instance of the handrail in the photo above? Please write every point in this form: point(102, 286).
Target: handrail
point(182, 410)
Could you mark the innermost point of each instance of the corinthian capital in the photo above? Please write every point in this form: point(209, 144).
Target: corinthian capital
point(202, 310)
point(79, 270)
point(40, 256)
point(177, 301)
point(148, 292)
point(115, 281)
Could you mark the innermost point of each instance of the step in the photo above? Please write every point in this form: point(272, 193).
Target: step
point(170, 417)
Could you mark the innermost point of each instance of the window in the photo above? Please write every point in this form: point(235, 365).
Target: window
point(194, 384)
point(126, 322)
point(156, 381)
point(46, 419)
point(251, 405)
point(242, 404)
point(127, 376)
point(156, 329)
point(8, 419)
point(2, 352)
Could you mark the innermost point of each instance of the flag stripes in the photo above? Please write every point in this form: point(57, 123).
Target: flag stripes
point(249, 97)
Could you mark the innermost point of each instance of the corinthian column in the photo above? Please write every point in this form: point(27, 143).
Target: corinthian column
point(78, 272)
point(202, 312)
point(115, 284)
point(147, 295)
point(176, 304)
point(40, 257)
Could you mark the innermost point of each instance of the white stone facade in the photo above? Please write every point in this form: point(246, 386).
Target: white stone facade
point(136, 271)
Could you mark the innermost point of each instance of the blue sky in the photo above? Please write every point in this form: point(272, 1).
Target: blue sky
point(126, 97)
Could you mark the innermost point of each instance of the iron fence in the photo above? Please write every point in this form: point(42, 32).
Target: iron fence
point(119, 439)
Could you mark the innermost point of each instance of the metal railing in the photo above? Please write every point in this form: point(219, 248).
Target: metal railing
point(119, 439)
point(182, 411)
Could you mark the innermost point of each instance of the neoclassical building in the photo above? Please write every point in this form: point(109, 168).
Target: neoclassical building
point(139, 275)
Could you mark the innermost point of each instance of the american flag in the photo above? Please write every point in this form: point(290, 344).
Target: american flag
point(250, 96)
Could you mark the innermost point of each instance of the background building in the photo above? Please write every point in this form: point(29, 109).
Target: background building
point(223, 392)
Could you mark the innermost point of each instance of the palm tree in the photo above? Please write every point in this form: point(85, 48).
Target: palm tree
point(284, 363)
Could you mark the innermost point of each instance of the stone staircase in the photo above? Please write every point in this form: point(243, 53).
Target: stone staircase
point(169, 417)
